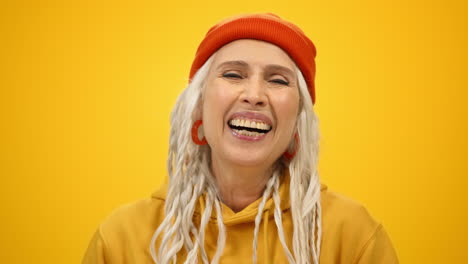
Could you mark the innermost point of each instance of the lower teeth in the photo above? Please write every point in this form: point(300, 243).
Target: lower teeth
point(248, 133)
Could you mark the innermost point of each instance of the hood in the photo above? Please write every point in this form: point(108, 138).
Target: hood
point(247, 214)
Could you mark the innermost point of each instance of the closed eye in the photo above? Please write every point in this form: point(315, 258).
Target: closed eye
point(280, 81)
point(232, 75)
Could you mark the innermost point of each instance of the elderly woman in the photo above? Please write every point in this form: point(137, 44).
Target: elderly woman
point(243, 181)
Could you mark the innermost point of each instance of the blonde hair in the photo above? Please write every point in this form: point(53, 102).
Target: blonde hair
point(190, 177)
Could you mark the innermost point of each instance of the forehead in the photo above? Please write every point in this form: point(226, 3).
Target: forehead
point(254, 52)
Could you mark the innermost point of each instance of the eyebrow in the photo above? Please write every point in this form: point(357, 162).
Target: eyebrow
point(233, 63)
point(269, 67)
point(276, 67)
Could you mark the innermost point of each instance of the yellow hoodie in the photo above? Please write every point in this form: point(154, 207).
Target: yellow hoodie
point(349, 233)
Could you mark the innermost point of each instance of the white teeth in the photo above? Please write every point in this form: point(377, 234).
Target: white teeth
point(251, 124)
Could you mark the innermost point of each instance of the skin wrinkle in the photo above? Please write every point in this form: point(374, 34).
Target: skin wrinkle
point(241, 173)
point(229, 195)
point(269, 70)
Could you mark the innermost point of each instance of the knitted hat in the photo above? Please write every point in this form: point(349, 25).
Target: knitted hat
point(266, 27)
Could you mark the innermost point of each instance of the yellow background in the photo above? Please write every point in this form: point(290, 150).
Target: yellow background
point(87, 88)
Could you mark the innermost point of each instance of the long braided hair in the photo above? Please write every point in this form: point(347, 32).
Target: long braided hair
point(190, 177)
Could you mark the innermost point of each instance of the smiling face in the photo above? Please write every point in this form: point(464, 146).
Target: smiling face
point(250, 103)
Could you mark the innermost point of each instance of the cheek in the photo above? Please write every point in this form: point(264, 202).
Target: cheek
point(218, 96)
point(216, 102)
point(287, 107)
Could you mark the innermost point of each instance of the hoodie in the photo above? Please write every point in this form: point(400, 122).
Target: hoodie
point(349, 233)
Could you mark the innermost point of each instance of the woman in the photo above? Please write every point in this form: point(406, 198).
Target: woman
point(243, 181)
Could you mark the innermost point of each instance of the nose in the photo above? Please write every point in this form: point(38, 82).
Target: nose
point(254, 94)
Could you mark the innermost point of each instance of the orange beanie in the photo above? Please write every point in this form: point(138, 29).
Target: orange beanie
point(266, 27)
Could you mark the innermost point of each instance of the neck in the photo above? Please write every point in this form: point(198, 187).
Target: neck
point(239, 186)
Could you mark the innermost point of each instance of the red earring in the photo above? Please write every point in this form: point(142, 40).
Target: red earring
point(290, 155)
point(195, 138)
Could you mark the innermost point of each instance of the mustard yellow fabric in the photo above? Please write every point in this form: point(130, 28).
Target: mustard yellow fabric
point(350, 234)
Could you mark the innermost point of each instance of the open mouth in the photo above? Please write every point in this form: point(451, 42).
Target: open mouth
point(249, 128)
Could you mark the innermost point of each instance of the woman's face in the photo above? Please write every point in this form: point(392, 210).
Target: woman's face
point(250, 103)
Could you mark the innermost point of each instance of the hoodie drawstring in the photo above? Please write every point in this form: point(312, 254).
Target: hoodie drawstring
point(265, 237)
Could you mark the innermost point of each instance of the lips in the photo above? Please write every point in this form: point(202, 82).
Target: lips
point(250, 125)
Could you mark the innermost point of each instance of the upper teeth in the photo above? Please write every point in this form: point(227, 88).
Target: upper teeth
point(251, 124)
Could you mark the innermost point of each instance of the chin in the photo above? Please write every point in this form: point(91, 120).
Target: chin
point(248, 159)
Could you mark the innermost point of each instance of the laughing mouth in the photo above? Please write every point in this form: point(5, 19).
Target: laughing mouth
point(249, 128)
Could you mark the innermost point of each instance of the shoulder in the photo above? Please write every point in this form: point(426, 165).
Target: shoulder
point(125, 235)
point(339, 210)
point(134, 213)
point(133, 222)
point(349, 231)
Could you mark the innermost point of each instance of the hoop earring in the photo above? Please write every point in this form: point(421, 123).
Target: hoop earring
point(290, 155)
point(195, 138)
